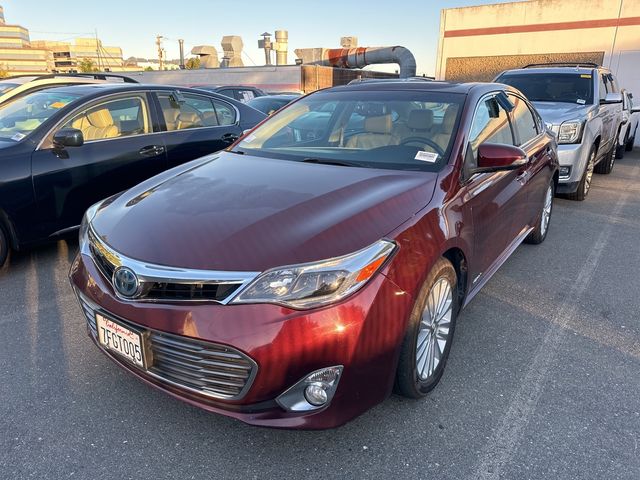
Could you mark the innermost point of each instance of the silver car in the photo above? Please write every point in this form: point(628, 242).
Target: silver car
point(631, 114)
point(582, 105)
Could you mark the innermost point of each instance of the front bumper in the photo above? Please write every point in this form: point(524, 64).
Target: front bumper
point(363, 333)
point(574, 156)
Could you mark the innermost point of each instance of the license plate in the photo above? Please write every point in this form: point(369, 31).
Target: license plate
point(124, 341)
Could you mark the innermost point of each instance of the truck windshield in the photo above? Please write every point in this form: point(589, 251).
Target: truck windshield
point(553, 87)
point(400, 130)
point(20, 117)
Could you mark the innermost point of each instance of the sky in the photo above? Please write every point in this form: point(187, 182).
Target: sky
point(134, 24)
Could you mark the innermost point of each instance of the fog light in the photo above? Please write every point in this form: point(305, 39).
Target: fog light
point(312, 392)
point(316, 394)
point(564, 172)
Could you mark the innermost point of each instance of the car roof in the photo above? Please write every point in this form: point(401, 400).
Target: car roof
point(284, 96)
point(93, 88)
point(426, 86)
point(547, 70)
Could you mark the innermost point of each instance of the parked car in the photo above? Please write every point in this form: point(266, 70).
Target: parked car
point(65, 148)
point(582, 105)
point(20, 85)
point(290, 281)
point(241, 93)
point(631, 114)
point(269, 104)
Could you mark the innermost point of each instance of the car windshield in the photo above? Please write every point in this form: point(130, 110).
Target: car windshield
point(20, 117)
point(6, 87)
point(553, 87)
point(268, 105)
point(402, 130)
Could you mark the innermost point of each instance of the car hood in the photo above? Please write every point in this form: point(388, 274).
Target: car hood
point(244, 213)
point(556, 112)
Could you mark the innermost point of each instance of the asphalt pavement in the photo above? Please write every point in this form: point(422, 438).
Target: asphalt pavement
point(543, 380)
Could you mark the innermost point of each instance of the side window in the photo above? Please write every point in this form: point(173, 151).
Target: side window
point(523, 120)
point(490, 125)
point(613, 84)
point(113, 119)
point(603, 87)
point(194, 111)
point(245, 95)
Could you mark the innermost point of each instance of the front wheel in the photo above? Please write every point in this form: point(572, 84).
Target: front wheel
point(620, 149)
point(539, 232)
point(427, 341)
point(606, 164)
point(585, 182)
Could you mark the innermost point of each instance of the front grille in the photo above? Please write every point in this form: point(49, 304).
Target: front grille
point(191, 291)
point(170, 291)
point(206, 368)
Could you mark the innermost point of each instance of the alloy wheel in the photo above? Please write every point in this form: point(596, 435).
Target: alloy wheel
point(434, 330)
point(546, 211)
point(589, 173)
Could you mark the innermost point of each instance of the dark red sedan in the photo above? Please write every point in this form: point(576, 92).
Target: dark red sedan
point(294, 279)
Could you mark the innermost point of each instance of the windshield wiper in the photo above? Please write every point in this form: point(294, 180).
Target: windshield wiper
point(237, 152)
point(326, 161)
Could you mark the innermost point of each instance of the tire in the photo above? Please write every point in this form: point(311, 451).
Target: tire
point(4, 246)
point(629, 146)
point(412, 381)
point(620, 149)
point(541, 229)
point(605, 167)
point(585, 182)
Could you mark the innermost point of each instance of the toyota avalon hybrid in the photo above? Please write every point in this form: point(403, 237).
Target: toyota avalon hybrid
point(294, 279)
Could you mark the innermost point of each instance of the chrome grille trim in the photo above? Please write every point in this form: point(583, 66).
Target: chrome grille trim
point(204, 368)
point(162, 283)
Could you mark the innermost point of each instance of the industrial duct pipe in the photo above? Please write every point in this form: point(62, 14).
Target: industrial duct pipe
point(361, 57)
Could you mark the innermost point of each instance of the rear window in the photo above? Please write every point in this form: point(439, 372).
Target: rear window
point(7, 87)
point(553, 87)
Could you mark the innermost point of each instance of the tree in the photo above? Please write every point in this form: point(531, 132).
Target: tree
point(4, 73)
point(148, 69)
point(192, 63)
point(87, 65)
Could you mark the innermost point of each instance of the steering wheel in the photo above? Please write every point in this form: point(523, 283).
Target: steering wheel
point(427, 141)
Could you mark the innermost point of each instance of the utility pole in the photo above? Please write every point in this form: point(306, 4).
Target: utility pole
point(160, 52)
point(98, 50)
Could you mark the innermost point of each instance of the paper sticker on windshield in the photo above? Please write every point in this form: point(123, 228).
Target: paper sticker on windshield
point(581, 101)
point(18, 136)
point(57, 105)
point(585, 75)
point(426, 156)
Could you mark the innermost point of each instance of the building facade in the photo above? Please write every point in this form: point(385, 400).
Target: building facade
point(68, 56)
point(476, 43)
point(17, 55)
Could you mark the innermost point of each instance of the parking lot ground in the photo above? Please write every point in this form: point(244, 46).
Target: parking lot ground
point(543, 380)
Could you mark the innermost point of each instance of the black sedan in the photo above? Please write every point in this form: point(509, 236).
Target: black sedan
point(63, 149)
point(271, 103)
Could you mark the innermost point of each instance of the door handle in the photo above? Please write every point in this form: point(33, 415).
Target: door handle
point(523, 177)
point(229, 137)
point(151, 150)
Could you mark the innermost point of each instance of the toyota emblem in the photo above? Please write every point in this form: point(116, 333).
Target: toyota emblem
point(125, 281)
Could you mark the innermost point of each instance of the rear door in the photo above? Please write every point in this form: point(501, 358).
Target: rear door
point(608, 114)
point(196, 125)
point(493, 198)
point(120, 150)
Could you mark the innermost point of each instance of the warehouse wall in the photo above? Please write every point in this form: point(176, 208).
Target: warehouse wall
point(486, 38)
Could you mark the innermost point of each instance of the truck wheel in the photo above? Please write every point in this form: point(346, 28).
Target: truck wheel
point(629, 146)
point(427, 341)
point(585, 182)
point(606, 164)
point(620, 149)
point(4, 246)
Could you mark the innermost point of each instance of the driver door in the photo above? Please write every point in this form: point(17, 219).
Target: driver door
point(119, 151)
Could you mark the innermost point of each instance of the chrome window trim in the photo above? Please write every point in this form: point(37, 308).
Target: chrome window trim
point(153, 273)
point(96, 101)
point(41, 145)
point(236, 123)
point(536, 118)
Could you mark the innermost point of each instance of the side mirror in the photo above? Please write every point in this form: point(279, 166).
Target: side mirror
point(635, 109)
point(68, 137)
point(612, 98)
point(493, 157)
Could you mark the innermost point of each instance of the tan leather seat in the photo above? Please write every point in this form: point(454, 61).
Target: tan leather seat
point(377, 133)
point(446, 130)
point(188, 120)
point(96, 125)
point(419, 124)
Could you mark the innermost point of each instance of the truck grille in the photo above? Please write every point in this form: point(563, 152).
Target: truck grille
point(205, 368)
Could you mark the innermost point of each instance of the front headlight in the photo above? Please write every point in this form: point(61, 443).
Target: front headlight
point(312, 285)
point(570, 132)
point(86, 221)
